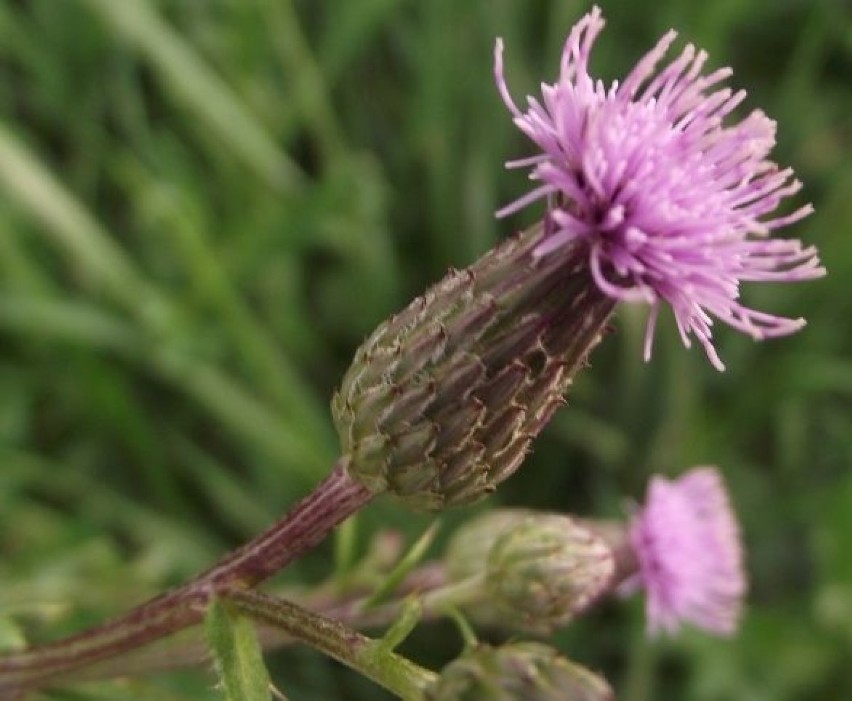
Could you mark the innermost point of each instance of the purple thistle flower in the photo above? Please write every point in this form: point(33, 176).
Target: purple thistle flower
point(672, 204)
point(686, 540)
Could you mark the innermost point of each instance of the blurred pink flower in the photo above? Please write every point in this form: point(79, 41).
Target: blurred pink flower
point(686, 540)
point(673, 205)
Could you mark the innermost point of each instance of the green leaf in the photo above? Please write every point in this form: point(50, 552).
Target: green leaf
point(405, 565)
point(11, 636)
point(200, 88)
point(237, 654)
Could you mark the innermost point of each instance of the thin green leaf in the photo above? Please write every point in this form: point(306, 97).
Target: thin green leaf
point(38, 192)
point(200, 89)
point(237, 654)
point(405, 565)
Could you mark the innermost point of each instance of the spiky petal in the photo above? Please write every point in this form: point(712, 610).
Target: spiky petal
point(672, 204)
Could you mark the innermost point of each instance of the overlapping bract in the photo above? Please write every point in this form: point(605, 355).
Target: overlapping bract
point(444, 399)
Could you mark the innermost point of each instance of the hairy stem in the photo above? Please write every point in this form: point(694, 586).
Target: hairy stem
point(367, 656)
point(189, 647)
point(336, 498)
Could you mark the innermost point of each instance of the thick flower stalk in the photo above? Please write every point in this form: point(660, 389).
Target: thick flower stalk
point(303, 527)
point(671, 200)
point(686, 541)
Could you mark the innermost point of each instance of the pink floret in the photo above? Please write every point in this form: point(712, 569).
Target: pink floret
point(673, 204)
point(687, 542)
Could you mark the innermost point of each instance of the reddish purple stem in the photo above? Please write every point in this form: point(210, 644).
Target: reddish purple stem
point(303, 527)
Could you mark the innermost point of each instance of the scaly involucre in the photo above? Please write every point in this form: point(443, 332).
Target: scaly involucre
point(673, 205)
point(686, 540)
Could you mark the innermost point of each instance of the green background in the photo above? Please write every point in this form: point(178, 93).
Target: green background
point(205, 205)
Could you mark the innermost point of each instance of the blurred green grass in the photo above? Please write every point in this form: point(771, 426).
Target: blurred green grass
point(206, 204)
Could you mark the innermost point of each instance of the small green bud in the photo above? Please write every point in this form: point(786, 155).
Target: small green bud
point(466, 554)
point(546, 569)
point(539, 569)
point(443, 400)
point(517, 672)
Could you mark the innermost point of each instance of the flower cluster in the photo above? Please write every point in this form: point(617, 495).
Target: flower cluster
point(653, 194)
point(673, 204)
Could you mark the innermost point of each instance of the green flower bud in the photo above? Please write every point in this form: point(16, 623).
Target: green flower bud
point(466, 554)
point(545, 569)
point(442, 401)
point(517, 672)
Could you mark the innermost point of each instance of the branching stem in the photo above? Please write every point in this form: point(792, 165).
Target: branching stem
point(304, 526)
point(371, 658)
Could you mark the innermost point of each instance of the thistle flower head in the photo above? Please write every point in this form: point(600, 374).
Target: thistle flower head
point(686, 541)
point(528, 671)
point(672, 203)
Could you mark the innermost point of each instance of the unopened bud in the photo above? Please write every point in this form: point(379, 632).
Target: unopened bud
point(543, 571)
point(517, 672)
point(442, 401)
point(466, 554)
